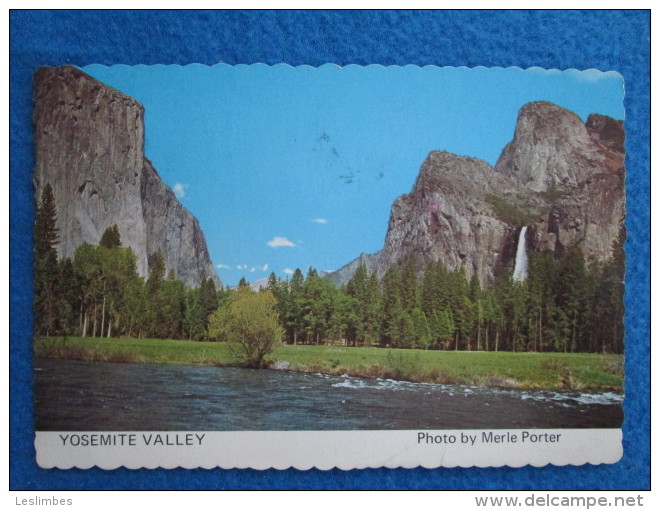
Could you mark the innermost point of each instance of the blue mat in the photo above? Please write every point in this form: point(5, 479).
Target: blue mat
point(605, 40)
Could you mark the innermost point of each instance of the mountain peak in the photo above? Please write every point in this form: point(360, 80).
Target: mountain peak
point(607, 131)
point(551, 148)
point(89, 145)
point(560, 177)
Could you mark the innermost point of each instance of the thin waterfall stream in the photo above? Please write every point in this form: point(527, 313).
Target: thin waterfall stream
point(520, 268)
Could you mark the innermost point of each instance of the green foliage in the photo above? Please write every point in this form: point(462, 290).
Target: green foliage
point(551, 195)
point(421, 329)
point(441, 328)
point(317, 307)
point(208, 299)
point(45, 229)
point(46, 300)
point(403, 367)
point(69, 295)
point(409, 289)
point(508, 212)
point(108, 282)
point(250, 325)
point(364, 290)
point(156, 272)
point(564, 305)
point(110, 238)
point(193, 316)
point(524, 370)
point(390, 320)
point(404, 329)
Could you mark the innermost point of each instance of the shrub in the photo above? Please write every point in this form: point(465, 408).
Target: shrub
point(508, 212)
point(403, 367)
point(614, 366)
point(250, 324)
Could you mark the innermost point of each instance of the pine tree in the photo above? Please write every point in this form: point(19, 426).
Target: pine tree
point(46, 277)
point(156, 272)
point(364, 288)
point(193, 317)
point(208, 299)
point(405, 330)
point(295, 302)
point(570, 291)
point(318, 298)
point(422, 331)
point(344, 319)
point(45, 228)
point(172, 312)
point(540, 282)
point(69, 298)
point(110, 238)
point(155, 298)
point(391, 309)
point(409, 289)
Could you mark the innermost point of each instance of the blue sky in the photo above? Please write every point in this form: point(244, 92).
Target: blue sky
point(295, 167)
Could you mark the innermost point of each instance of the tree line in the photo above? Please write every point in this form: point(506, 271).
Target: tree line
point(564, 305)
point(99, 293)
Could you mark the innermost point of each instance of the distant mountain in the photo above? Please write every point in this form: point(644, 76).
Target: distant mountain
point(562, 178)
point(259, 284)
point(90, 148)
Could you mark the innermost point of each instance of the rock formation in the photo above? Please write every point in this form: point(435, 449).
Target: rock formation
point(561, 177)
point(89, 142)
point(578, 170)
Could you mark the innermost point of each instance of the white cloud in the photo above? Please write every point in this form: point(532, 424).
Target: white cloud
point(288, 271)
point(264, 267)
point(244, 266)
point(179, 189)
point(319, 220)
point(278, 242)
point(223, 266)
point(253, 269)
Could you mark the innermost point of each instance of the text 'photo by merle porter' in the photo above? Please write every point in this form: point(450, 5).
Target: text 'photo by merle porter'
point(274, 266)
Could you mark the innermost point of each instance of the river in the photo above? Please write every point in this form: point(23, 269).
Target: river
point(81, 395)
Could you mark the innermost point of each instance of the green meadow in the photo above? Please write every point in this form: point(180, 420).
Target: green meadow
point(497, 369)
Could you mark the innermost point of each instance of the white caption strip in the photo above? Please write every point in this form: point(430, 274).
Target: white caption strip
point(328, 449)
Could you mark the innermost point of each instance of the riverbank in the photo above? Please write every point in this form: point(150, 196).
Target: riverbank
point(495, 369)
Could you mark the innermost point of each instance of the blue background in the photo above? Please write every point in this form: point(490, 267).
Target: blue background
point(605, 40)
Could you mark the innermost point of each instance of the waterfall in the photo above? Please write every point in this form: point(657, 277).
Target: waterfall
point(520, 269)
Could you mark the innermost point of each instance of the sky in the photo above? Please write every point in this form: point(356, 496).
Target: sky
point(297, 167)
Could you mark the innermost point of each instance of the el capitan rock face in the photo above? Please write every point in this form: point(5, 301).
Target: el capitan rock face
point(561, 177)
point(89, 142)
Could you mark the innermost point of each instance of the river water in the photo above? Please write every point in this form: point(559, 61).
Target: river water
point(80, 395)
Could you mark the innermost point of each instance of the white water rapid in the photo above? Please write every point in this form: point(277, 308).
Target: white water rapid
point(520, 269)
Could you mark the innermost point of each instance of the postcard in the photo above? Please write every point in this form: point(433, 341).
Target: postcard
point(262, 266)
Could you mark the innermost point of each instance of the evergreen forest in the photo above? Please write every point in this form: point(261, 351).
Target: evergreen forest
point(564, 305)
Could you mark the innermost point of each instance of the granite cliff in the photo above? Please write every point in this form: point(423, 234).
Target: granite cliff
point(89, 145)
point(559, 176)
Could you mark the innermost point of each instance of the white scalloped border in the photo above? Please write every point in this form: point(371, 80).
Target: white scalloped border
point(331, 64)
point(325, 450)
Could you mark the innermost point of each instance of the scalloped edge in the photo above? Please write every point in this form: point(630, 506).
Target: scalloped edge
point(612, 73)
point(326, 450)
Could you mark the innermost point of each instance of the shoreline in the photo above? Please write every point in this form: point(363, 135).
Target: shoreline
point(539, 371)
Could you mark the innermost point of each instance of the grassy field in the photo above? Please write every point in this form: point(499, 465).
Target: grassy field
point(504, 369)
